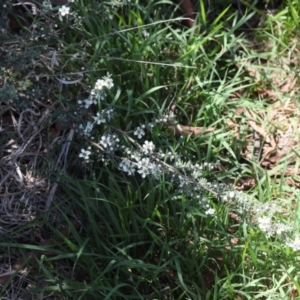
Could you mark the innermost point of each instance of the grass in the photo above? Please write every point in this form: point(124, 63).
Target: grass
point(195, 229)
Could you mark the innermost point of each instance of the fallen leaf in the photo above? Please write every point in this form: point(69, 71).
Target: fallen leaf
point(188, 130)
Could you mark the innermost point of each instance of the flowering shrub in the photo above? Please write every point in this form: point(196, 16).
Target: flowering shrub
point(187, 177)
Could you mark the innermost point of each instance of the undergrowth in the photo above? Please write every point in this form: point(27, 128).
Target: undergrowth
point(136, 130)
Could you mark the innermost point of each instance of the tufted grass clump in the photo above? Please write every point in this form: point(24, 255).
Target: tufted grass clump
point(138, 162)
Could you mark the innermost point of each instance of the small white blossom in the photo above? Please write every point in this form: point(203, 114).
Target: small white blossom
point(144, 172)
point(295, 244)
point(148, 147)
point(105, 82)
point(135, 156)
point(182, 181)
point(109, 113)
point(122, 165)
point(88, 129)
point(47, 5)
point(156, 170)
point(99, 118)
point(85, 154)
point(87, 102)
point(231, 195)
point(110, 142)
point(145, 167)
point(106, 141)
point(210, 211)
point(144, 163)
point(64, 10)
point(108, 81)
point(100, 84)
point(264, 224)
point(139, 132)
point(127, 166)
point(131, 170)
point(281, 228)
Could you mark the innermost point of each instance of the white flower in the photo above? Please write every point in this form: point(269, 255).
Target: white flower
point(264, 224)
point(224, 198)
point(148, 147)
point(64, 10)
point(47, 5)
point(145, 166)
point(108, 81)
point(87, 130)
point(109, 113)
point(135, 156)
point(110, 142)
point(124, 165)
point(295, 244)
point(231, 195)
point(144, 163)
point(131, 170)
point(144, 172)
point(89, 126)
point(85, 154)
point(106, 141)
point(210, 211)
point(156, 170)
point(99, 118)
point(100, 84)
point(139, 132)
point(281, 228)
point(87, 102)
point(127, 166)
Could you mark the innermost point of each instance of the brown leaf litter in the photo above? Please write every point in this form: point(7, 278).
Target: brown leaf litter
point(278, 132)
